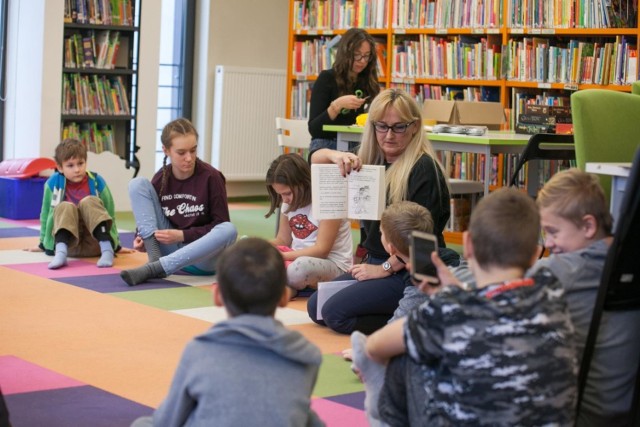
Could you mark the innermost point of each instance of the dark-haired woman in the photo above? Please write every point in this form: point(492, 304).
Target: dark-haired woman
point(182, 214)
point(343, 92)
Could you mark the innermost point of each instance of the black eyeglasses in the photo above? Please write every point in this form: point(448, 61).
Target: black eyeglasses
point(397, 128)
point(358, 57)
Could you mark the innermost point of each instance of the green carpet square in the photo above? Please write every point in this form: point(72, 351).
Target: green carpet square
point(170, 299)
point(336, 377)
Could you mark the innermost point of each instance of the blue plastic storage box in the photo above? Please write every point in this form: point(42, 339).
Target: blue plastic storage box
point(21, 198)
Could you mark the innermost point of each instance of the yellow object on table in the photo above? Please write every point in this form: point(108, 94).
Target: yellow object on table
point(362, 119)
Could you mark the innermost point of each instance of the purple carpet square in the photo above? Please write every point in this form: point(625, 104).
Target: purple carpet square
point(75, 406)
point(18, 232)
point(354, 400)
point(126, 239)
point(108, 283)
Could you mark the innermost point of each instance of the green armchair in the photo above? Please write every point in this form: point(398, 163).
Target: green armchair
point(635, 88)
point(606, 127)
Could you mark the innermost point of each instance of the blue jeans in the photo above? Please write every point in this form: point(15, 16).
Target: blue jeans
point(364, 306)
point(318, 143)
point(201, 253)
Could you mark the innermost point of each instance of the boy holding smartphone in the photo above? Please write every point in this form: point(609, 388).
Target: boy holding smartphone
point(500, 353)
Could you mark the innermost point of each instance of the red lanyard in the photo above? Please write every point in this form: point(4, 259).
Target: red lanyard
point(507, 286)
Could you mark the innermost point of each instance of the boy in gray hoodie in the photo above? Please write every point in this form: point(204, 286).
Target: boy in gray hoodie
point(248, 370)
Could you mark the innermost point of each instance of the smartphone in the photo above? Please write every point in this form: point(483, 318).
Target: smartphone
point(421, 248)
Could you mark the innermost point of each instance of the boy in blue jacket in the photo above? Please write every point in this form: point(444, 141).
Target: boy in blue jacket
point(248, 370)
point(78, 216)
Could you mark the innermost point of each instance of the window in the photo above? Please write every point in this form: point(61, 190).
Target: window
point(176, 65)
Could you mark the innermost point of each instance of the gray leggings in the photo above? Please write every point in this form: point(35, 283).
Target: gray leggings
point(308, 271)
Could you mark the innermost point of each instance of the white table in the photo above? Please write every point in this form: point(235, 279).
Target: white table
point(619, 173)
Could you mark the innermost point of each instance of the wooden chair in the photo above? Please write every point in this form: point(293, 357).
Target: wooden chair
point(543, 146)
point(620, 290)
point(293, 137)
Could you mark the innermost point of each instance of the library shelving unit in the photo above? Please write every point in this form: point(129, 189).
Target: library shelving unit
point(507, 51)
point(99, 79)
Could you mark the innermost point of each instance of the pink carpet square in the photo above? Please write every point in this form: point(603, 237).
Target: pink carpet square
point(75, 268)
point(19, 376)
point(335, 414)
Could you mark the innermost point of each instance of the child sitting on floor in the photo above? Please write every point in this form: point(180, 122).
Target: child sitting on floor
point(248, 370)
point(314, 250)
point(577, 226)
point(78, 215)
point(500, 353)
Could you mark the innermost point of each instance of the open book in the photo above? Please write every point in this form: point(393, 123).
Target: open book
point(328, 289)
point(361, 195)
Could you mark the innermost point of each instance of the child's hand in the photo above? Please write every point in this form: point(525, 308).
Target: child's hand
point(138, 244)
point(362, 272)
point(124, 250)
point(445, 276)
point(33, 249)
point(169, 237)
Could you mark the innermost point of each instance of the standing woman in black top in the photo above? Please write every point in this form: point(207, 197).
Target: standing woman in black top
point(343, 92)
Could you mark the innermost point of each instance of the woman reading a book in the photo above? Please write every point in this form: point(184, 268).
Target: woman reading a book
point(393, 137)
point(313, 250)
point(341, 93)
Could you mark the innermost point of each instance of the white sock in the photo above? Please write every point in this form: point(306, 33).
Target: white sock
point(106, 259)
point(372, 375)
point(60, 257)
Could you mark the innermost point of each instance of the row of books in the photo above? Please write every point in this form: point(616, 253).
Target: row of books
point(572, 14)
point(458, 57)
point(312, 56)
point(542, 14)
point(471, 166)
point(420, 92)
point(99, 12)
point(520, 98)
point(578, 61)
point(94, 95)
point(97, 138)
point(544, 119)
point(339, 14)
point(545, 170)
point(91, 50)
point(300, 99)
point(467, 14)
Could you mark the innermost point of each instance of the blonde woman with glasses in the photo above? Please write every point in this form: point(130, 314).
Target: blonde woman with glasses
point(393, 137)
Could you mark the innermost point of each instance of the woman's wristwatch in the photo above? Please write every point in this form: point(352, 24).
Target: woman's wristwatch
point(386, 266)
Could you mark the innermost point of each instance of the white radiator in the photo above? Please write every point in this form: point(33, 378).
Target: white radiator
point(246, 103)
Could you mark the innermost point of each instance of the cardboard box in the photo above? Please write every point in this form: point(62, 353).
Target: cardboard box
point(467, 113)
point(21, 198)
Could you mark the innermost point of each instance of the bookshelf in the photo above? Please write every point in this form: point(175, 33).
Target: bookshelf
point(99, 76)
point(496, 50)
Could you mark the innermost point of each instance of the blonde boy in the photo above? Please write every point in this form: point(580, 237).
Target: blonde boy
point(577, 226)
